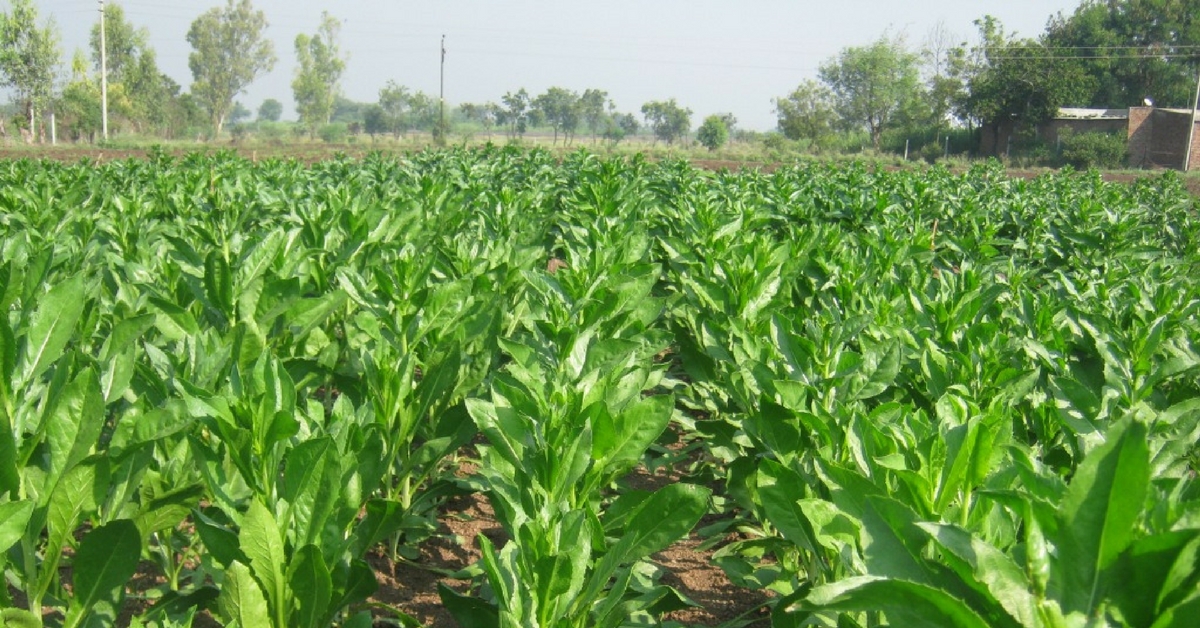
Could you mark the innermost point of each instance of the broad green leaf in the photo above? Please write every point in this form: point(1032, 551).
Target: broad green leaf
point(51, 326)
point(354, 585)
point(311, 585)
point(241, 600)
point(892, 542)
point(1102, 504)
point(218, 284)
point(73, 495)
point(173, 322)
point(960, 448)
point(1005, 582)
point(10, 479)
point(904, 603)
point(19, 618)
point(621, 440)
point(308, 488)
point(1144, 571)
point(780, 490)
point(1183, 580)
point(262, 543)
point(73, 427)
point(663, 518)
point(1181, 616)
point(166, 510)
point(14, 516)
point(107, 558)
point(468, 611)
point(220, 542)
point(306, 314)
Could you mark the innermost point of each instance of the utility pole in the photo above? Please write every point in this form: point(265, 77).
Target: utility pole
point(1187, 155)
point(441, 130)
point(103, 78)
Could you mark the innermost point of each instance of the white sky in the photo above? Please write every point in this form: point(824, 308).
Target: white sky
point(712, 56)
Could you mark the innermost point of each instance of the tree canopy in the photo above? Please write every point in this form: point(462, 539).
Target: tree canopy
point(667, 119)
point(320, 64)
point(229, 52)
point(1132, 49)
point(807, 114)
point(28, 56)
point(713, 132)
point(870, 84)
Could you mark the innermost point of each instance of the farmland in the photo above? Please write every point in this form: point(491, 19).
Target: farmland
point(881, 398)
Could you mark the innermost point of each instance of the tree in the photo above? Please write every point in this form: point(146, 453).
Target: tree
point(123, 43)
point(28, 57)
point(320, 64)
point(560, 109)
point(1132, 49)
point(78, 106)
point(395, 101)
point(138, 91)
point(871, 83)
point(516, 112)
point(239, 113)
point(667, 119)
point(620, 125)
point(1018, 81)
point(423, 112)
point(807, 114)
point(374, 120)
point(229, 52)
point(270, 110)
point(592, 109)
point(713, 133)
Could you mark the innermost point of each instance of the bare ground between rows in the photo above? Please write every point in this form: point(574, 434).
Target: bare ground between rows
point(413, 588)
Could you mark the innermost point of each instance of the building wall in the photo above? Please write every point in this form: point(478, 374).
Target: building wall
point(1194, 164)
point(1170, 138)
point(1140, 136)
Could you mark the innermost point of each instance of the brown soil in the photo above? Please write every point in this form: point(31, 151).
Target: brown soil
point(413, 588)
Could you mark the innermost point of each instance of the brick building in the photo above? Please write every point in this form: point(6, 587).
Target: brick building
point(1157, 138)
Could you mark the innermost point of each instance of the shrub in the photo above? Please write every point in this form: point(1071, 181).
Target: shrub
point(1092, 150)
point(333, 133)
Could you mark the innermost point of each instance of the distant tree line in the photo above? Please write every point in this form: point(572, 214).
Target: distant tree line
point(1106, 54)
point(886, 94)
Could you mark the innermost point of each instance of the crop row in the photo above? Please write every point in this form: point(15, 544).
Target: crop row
point(919, 398)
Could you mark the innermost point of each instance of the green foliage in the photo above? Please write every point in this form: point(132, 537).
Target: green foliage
point(807, 114)
point(1017, 81)
point(713, 133)
point(923, 397)
point(229, 51)
point(667, 120)
point(318, 73)
point(270, 110)
point(1117, 35)
point(871, 84)
point(1093, 150)
point(561, 109)
point(28, 55)
point(333, 133)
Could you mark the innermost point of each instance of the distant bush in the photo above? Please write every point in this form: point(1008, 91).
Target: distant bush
point(333, 133)
point(1093, 150)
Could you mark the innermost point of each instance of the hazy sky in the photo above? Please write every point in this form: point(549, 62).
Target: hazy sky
point(712, 56)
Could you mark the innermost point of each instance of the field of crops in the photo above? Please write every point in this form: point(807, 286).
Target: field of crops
point(905, 399)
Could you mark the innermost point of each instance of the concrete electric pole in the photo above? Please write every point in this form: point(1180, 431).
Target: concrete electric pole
point(103, 78)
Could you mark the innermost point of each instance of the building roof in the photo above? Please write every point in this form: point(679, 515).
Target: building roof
point(1081, 113)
